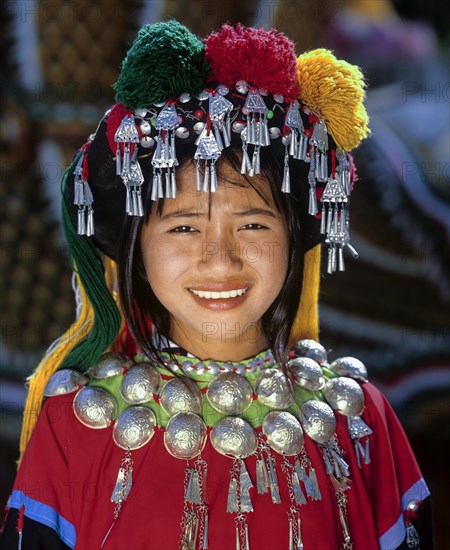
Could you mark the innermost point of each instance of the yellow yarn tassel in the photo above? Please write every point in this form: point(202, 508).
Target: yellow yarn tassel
point(111, 277)
point(306, 323)
point(50, 364)
point(335, 91)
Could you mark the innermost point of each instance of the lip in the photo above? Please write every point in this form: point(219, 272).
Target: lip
point(220, 304)
point(221, 287)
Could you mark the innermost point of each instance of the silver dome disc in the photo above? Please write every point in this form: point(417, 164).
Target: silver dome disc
point(350, 366)
point(185, 435)
point(139, 383)
point(233, 436)
point(181, 395)
point(344, 395)
point(134, 428)
point(230, 393)
point(274, 389)
point(284, 433)
point(110, 364)
point(64, 381)
point(307, 373)
point(312, 349)
point(318, 421)
point(95, 407)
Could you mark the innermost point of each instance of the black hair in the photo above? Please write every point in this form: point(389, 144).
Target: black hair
point(140, 304)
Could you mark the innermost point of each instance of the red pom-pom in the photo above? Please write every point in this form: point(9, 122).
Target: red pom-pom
point(264, 59)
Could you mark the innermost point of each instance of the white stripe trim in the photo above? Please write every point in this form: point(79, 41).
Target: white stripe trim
point(393, 537)
point(416, 493)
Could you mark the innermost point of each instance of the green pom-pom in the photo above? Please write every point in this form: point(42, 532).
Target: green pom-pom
point(165, 60)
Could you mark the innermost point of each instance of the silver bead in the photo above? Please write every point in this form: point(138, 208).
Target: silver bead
point(140, 383)
point(64, 381)
point(274, 389)
point(198, 127)
point(311, 349)
point(182, 132)
point(240, 368)
point(344, 395)
point(222, 89)
point(307, 373)
point(181, 395)
point(95, 407)
point(349, 366)
point(238, 126)
point(147, 142)
point(159, 104)
point(318, 421)
point(140, 113)
point(274, 132)
point(203, 95)
point(278, 98)
point(284, 433)
point(242, 86)
point(134, 428)
point(263, 92)
point(185, 97)
point(146, 128)
point(213, 368)
point(230, 393)
point(233, 436)
point(185, 435)
point(110, 364)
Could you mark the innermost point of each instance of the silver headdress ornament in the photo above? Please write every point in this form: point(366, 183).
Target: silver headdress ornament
point(84, 199)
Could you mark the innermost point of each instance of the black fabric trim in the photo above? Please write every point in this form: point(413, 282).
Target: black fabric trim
point(35, 535)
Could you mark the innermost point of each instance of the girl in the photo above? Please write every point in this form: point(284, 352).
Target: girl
point(211, 425)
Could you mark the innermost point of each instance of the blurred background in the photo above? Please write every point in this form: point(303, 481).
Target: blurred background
point(391, 308)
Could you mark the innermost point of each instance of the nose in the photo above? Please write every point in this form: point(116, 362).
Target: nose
point(221, 256)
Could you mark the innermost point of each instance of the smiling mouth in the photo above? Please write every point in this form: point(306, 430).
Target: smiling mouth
point(223, 295)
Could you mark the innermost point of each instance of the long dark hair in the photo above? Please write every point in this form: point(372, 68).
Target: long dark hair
point(139, 302)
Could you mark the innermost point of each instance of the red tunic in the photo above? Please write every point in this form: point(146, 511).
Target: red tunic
point(69, 471)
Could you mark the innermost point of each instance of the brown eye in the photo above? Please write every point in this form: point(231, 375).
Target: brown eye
point(253, 226)
point(183, 229)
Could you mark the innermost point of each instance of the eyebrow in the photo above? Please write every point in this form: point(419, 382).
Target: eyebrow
point(241, 213)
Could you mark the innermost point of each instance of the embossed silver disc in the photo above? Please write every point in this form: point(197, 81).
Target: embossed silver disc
point(344, 395)
point(312, 349)
point(284, 433)
point(350, 366)
point(64, 381)
point(307, 373)
point(318, 420)
point(233, 436)
point(110, 364)
point(274, 389)
point(230, 393)
point(139, 383)
point(181, 395)
point(95, 407)
point(134, 428)
point(185, 435)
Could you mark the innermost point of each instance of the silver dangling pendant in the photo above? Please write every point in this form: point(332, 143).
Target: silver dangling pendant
point(121, 489)
point(286, 185)
point(198, 184)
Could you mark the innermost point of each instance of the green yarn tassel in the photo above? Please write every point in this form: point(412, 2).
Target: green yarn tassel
point(87, 262)
point(164, 60)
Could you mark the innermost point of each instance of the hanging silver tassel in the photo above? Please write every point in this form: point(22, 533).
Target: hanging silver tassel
point(194, 525)
point(122, 488)
point(286, 185)
point(262, 477)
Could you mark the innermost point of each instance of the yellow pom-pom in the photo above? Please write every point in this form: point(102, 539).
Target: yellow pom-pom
point(335, 91)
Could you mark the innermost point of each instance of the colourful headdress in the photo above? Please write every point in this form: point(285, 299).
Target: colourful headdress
point(242, 88)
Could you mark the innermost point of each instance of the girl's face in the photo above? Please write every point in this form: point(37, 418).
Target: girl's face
point(217, 267)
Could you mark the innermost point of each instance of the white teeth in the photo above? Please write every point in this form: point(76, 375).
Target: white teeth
point(218, 295)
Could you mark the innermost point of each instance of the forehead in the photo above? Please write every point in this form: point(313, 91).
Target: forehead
point(233, 191)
